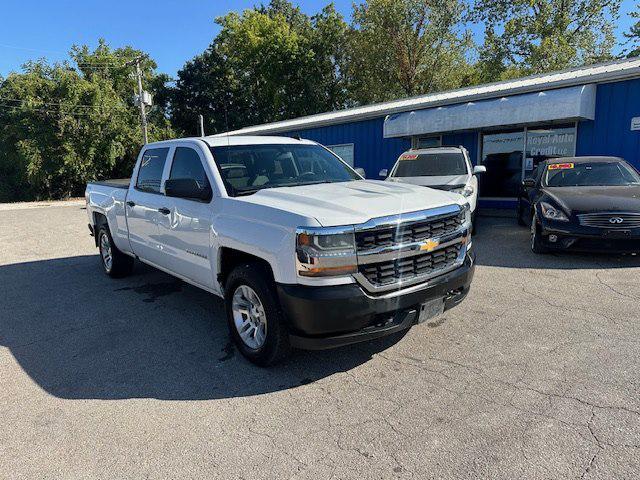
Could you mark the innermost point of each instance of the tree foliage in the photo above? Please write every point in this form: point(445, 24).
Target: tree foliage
point(535, 36)
point(406, 47)
point(61, 126)
point(266, 64)
point(633, 35)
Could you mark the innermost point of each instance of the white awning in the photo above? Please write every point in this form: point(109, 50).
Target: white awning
point(573, 103)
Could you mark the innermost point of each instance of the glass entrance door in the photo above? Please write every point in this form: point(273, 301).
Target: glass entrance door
point(502, 154)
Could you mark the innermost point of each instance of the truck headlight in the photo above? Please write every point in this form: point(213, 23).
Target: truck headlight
point(465, 191)
point(552, 213)
point(325, 252)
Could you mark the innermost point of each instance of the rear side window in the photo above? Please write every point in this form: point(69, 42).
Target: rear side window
point(187, 164)
point(151, 167)
point(431, 165)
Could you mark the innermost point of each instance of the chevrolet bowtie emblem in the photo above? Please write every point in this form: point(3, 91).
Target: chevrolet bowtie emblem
point(429, 245)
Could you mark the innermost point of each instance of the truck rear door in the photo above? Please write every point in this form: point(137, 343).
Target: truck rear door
point(145, 204)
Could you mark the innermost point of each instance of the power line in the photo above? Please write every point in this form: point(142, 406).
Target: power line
point(31, 49)
point(81, 63)
point(18, 108)
point(61, 104)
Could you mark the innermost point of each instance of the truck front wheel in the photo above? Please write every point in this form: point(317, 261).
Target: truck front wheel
point(115, 263)
point(256, 322)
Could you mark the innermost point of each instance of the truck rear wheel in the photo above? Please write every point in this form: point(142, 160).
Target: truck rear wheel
point(115, 263)
point(255, 320)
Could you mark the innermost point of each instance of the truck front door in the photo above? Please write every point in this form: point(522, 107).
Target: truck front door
point(186, 232)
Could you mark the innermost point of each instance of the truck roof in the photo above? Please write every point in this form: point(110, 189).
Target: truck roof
point(224, 140)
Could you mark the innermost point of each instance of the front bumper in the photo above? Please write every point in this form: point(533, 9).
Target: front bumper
point(578, 238)
point(327, 317)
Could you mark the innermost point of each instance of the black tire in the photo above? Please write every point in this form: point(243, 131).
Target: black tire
point(276, 346)
point(521, 220)
point(121, 264)
point(474, 224)
point(536, 239)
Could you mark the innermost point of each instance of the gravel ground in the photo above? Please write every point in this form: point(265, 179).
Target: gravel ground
point(535, 375)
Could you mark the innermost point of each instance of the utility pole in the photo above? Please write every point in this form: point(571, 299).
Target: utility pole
point(201, 119)
point(141, 97)
point(143, 114)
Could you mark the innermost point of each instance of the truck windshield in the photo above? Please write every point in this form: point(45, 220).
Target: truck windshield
point(245, 169)
point(596, 174)
point(431, 165)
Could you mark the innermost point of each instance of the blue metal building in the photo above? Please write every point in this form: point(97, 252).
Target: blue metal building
point(507, 126)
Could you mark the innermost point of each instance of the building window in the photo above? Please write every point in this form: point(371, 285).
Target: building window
point(549, 142)
point(344, 151)
point(426, 142)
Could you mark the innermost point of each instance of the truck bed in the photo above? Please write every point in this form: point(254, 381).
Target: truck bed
point(115, 183)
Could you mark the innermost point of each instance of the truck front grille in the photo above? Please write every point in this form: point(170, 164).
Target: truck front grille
point(403, 250)
point(409, 232)
point(404, 269)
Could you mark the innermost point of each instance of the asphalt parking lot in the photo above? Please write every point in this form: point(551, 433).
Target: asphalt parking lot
point(535, 375)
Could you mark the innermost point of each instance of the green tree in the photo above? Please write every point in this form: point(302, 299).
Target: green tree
point(205, 86)
point(266, 64)
point(535, 36)
point(633, 34)
point(400, 48)
point(61, 126)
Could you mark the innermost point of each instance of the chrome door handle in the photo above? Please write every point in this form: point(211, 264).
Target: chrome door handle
point(164, 211)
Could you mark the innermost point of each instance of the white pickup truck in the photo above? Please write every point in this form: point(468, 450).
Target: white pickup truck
point(305, 252)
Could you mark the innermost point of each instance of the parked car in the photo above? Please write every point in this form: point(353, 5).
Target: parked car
point(582, 203)
point(442, 168)
point(304, 251)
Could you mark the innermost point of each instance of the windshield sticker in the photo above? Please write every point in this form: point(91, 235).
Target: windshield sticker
point(560, 166)
point(408, 156)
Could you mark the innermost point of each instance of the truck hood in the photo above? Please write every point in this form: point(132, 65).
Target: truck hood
point(347, 203)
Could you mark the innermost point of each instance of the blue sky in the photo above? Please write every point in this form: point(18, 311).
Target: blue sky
point(171, 31)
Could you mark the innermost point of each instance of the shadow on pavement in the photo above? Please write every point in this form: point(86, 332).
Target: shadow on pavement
point(81, 335)
point(501, 242)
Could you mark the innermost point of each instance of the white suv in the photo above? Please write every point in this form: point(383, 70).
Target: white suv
point(442, 168)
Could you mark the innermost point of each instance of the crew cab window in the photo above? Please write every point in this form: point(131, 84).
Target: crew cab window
point(151, 168)
point(187, 164)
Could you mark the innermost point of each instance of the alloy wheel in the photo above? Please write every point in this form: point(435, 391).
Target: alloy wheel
point(105, 252)
point(249, 317)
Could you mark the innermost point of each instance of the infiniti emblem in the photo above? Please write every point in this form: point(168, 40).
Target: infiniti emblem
point(616, 220)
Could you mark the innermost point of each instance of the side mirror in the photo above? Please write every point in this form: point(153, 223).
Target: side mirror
point(361, 172)
point(529, 182)
point(384, 173)
point(479, 169)
point(186, 188)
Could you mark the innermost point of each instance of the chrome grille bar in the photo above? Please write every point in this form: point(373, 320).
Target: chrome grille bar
point(403, 250)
